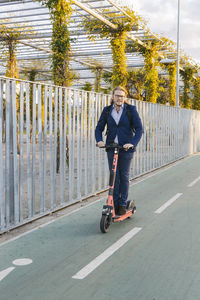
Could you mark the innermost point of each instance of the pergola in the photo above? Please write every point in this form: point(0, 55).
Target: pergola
point(34, 50)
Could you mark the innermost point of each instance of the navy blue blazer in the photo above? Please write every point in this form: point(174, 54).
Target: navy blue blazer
point(123, 129)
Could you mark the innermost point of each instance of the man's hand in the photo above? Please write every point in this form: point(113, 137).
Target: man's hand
point(127, 146)
point(100, 144)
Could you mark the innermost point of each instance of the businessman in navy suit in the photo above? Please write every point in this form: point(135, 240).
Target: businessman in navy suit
point(125, 131)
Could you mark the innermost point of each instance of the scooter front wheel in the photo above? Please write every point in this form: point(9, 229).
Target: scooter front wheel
point(104, 224)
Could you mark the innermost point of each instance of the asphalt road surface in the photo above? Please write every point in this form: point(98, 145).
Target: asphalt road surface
point(155, 255)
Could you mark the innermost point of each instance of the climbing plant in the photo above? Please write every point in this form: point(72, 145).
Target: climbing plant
point(8, 39)
point(150, 54)
point(8, 42)
point(117, 39)
point(107, 77)
point(98, 76)
point(150, 51)
point(196, 94)
point(87, 86)
point(60, 12)
point(171, 68)
point(187, 77)
point(135, 83)
point(163, 97)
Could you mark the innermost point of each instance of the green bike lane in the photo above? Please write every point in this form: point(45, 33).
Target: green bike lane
point(160, 262)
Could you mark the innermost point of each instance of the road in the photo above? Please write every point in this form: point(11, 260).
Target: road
point(156, 252)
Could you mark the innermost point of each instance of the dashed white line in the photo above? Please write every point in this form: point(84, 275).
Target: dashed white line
point(84, 272)
point(85, 206)
point(168, 203)
point(193, 182)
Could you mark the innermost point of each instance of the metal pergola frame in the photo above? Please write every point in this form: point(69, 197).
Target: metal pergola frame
point(34, 44)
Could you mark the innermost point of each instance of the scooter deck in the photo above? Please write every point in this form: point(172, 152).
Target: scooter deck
point(119, 218)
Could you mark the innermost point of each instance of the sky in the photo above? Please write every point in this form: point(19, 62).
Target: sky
point(161, 17)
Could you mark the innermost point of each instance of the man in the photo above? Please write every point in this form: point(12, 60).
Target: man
point(124, 127)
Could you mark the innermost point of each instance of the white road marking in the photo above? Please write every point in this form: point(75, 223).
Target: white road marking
point(193, 182)
point(147, 176)
point(5, 272)
point(106, 254)
point(16, 262)
point(168, 203)
point(22, 262)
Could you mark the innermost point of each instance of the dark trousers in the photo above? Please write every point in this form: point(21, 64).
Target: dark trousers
point(121, 187)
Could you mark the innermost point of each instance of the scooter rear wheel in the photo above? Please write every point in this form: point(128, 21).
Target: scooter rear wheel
point(104, 224)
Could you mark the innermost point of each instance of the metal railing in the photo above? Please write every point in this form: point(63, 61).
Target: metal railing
point(48, 156)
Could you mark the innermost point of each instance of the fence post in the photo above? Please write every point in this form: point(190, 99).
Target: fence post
point(10, 154)
point(2, 195)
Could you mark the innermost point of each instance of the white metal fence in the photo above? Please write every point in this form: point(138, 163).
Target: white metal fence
point(48, 157)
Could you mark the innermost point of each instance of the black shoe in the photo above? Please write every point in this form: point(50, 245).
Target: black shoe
point(122, 210)
point(116, 210)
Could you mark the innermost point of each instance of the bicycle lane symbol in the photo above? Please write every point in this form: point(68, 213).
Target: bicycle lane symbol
point(16, 262)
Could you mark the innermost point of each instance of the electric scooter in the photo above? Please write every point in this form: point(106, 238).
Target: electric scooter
point(108, 213)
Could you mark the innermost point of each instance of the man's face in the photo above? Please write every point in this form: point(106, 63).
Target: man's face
point(118, 98)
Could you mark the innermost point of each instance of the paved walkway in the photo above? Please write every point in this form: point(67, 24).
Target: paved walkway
point(152, 256)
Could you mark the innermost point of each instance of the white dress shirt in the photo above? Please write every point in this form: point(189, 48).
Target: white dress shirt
point(116, 116)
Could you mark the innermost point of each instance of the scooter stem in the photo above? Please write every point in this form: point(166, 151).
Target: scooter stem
point(112, 178)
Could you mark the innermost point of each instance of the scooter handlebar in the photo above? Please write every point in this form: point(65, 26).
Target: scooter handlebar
point(113, 146)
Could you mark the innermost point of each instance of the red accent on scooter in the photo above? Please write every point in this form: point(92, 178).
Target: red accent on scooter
point(108, 212)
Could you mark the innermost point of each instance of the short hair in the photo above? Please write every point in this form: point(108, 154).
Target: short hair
point(118, 88)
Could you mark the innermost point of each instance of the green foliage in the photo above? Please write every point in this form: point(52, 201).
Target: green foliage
point(196, 93)
point(58, 7)
point(87, 86)
point(135, 83)
point(60, 11)
point(117, 39)
point(151, 82)
point(32, 74)
point(150, 53)
point(94, 26)
point(187, 76)
point(172, 83)
point(98, 76)
point(163, 90)
point(118, 45)
point(107, 77)
point(8, 38)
